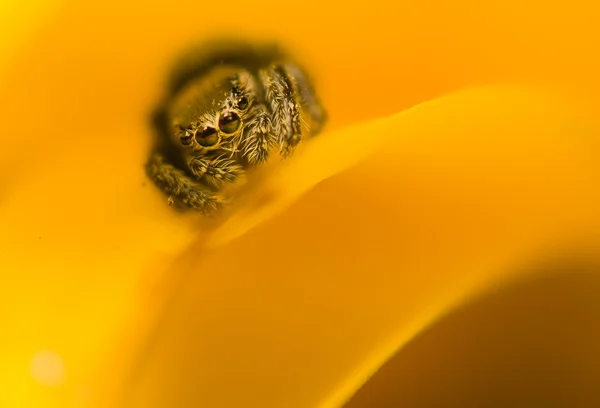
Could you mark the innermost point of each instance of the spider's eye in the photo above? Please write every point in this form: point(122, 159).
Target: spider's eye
point(186, 139)
point(229, 122)
point(207, 137)
point(242, 103)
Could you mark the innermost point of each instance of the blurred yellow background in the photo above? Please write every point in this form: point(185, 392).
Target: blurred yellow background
point(415, 212)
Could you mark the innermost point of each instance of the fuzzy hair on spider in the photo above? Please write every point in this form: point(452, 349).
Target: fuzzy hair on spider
point(228, 109)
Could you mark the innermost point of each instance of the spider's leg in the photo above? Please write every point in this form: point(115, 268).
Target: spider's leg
point(177, 184)
point(258, 138)
point(307, 96)
point(285, 109)
point(215, 171)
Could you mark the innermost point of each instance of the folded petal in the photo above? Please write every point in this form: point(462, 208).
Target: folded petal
point(365, 238)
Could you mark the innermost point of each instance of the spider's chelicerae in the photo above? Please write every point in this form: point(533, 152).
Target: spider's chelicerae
point(227, 110)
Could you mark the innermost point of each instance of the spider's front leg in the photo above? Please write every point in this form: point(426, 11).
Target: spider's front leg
point(258, 139)
point(215, 171)
point(285, 110)
point(307, 96)
point(176, 183)
point(290, 94)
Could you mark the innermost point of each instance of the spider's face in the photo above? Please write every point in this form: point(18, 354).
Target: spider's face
point(228, 109)
point(210, 114)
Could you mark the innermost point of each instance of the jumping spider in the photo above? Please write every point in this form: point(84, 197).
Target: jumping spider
point(227, 110)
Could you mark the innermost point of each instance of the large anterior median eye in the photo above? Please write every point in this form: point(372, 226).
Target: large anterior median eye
point(229, 122)
point(207, 137)
point(243, 103)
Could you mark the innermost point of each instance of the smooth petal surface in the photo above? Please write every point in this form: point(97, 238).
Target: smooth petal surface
point(300, 307)
point(447, 195)
point(530, 343)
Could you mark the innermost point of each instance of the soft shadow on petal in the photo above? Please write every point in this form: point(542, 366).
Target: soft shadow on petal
point(301, 305)
point(81, 224)
point(531, 344)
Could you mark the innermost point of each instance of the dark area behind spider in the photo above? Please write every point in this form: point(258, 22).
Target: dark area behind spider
point(197, 61)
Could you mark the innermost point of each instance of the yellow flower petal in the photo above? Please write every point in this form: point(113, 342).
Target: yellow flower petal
point(80, 229)
point(298, 307)
point(531, 343)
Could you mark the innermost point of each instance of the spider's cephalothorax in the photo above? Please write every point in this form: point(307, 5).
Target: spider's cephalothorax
point(228, 109)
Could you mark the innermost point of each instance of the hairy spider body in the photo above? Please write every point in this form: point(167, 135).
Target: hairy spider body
point(228, 109)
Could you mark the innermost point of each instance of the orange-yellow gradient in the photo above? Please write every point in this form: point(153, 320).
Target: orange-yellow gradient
point(461, 160)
